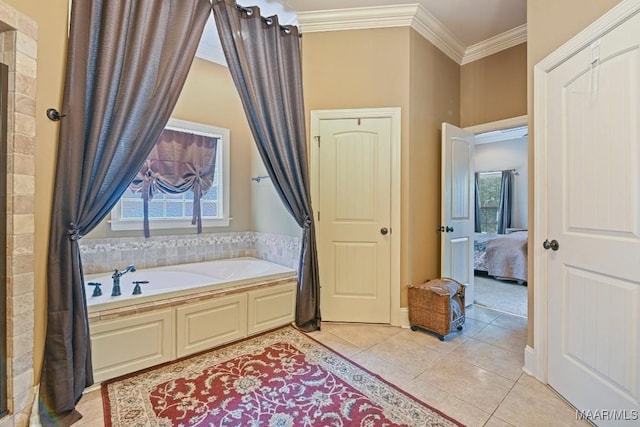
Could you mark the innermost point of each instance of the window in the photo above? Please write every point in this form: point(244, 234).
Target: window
point(176, 210)
point(489, 192)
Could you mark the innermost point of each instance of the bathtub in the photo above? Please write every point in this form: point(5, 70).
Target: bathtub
point(180, 280)
point(183, 310)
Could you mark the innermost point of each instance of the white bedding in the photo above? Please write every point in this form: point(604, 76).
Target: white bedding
point(506, 256)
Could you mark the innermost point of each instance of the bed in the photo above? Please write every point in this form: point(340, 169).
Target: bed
point(503, 256)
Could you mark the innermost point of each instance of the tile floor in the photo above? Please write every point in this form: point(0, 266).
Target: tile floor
point(474, 376)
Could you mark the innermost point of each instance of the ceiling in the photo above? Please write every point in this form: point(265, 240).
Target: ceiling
point(471, 21)
point(464, 23)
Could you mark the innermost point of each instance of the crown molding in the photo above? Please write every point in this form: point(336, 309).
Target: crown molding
point(357, 18)
point(410, 15)
point(431, 29)
point(495, 44)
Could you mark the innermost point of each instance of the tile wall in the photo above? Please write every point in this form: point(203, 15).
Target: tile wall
point(104, 255)
point(18, 50)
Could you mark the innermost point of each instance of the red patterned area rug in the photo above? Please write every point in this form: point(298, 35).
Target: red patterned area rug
point(281, 378)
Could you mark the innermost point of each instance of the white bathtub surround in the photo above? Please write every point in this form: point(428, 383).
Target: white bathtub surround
point(178, 283)
point(227, 300)
point(103, 255)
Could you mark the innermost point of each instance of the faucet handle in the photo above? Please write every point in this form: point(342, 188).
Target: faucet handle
point(136, 289)
point(96, 290)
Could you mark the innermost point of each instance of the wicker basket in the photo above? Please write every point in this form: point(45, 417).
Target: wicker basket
point(437, 306)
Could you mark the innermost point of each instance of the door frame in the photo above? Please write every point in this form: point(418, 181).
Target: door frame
point(393, 113)
point(512, 122)
point(536, 362)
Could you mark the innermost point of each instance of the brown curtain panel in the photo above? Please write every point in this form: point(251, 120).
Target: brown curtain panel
point(264, 60)
point(179, 162)
point(127, 61)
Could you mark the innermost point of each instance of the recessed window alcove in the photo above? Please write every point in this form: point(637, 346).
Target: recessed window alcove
point(18, 52)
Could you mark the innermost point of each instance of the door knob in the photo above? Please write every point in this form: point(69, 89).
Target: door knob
point(553, 245)
point(384, 231)
point(448, 229)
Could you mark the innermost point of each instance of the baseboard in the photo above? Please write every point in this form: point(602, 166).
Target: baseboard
point(91, 388)
point(530, 361)
point(404, 317)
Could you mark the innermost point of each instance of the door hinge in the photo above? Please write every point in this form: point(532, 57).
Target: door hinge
point(318, 216)
point(317, 138)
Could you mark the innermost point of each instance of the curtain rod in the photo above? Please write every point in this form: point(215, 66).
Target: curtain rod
point(249, 11)
point(515, 172)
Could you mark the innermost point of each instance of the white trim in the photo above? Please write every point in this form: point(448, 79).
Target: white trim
point(607, 22)
point(409, 15)
point(495, 44)
point(540, 230)
point(433, 30)
point(530, 361)
point(509, 123)
point(165, 224)
point(357, 18)
point(394, 113)
point(404, 318)
point(598, 28)
point(512, 134)
point(196, 128)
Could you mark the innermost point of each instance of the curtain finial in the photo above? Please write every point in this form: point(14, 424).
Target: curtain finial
point(54, 115)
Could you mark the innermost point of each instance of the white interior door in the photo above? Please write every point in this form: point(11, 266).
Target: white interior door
point(355, 214)
point(457, 217)
point(592, 120)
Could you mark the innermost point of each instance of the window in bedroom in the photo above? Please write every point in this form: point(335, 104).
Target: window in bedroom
point(489, 192)
point(189, 158)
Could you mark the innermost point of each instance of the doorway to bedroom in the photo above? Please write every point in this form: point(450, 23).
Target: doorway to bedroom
point(501, 226)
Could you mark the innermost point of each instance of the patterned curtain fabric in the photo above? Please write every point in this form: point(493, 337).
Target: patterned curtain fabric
point(179, 162)
point(264, 60)
point(506, 201)
point(127, 61)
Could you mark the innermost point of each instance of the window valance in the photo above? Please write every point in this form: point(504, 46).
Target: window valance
point(179, 162)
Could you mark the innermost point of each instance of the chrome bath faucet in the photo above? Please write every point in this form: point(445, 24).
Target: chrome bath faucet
point(116, 279)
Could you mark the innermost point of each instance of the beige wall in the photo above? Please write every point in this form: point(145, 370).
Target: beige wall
point(267, 210)
point(394, 67)
point(356, 69)
point(210, 97)
point(550, 23)
point(434, 98)
point(51, 17)
point(362, 69)
point(495, 87)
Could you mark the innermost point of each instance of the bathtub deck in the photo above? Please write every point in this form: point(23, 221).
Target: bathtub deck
point(96, 314)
